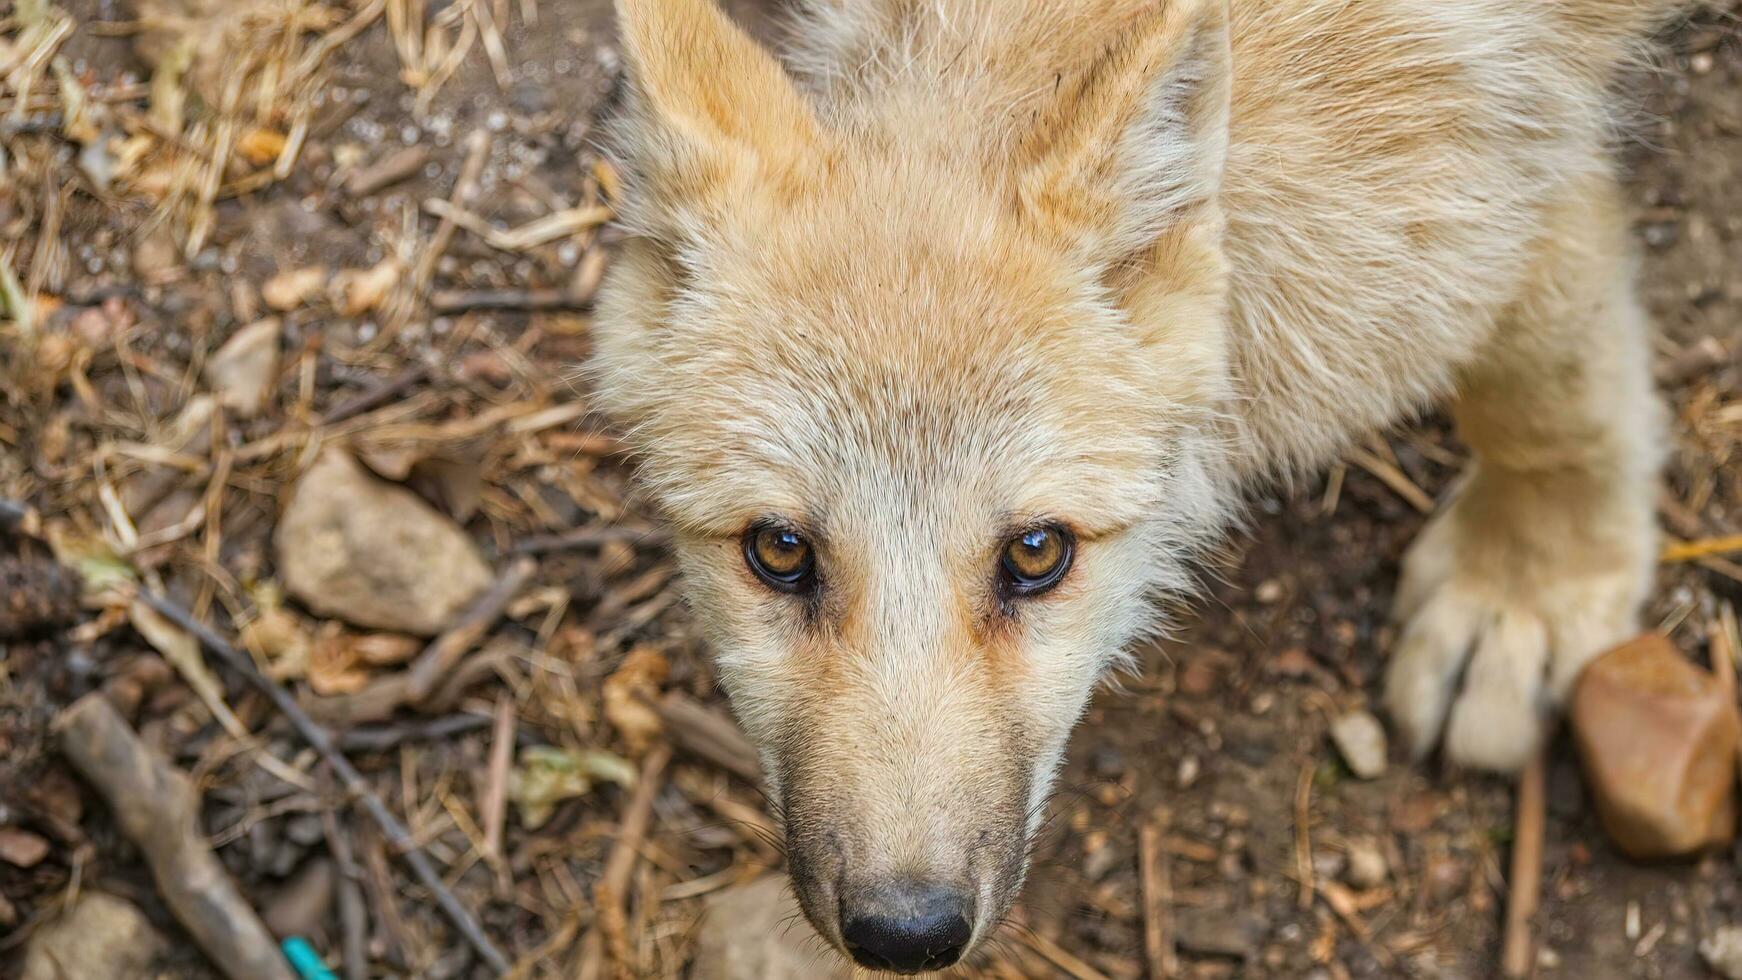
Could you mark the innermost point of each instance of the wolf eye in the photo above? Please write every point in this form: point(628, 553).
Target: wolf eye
point(780, 557)
point(1036, 559)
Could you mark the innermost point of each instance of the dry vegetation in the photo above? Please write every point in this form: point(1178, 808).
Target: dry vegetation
point(238, 239)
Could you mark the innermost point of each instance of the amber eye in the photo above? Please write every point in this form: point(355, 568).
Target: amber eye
point(1036, 559)
point(780, 557)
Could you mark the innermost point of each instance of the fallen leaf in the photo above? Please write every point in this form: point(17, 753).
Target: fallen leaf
point(385, 649)
point(360, 291)
point(334, 667)
point(547, 775)
point(95, 561)
point(293, 287)
point(281, 639)
point(183, 653)
point(628, 695)
point(261, 146)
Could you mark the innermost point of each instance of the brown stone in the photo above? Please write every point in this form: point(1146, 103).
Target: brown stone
point(756, 932)
point(372, 553)
point(1658, 737)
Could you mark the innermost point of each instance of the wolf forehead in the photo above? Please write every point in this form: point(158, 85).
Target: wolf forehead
point(793, 380)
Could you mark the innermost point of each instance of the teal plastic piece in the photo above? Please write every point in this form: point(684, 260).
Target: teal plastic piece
point(305, 961)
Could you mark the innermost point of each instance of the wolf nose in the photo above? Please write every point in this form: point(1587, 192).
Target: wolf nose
point(907, 928)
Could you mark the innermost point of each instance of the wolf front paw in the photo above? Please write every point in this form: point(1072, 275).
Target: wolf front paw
point(1496, 624)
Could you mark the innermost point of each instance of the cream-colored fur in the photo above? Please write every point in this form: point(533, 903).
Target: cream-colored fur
point(963, 265)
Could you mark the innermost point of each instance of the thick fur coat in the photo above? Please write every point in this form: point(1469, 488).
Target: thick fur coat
point(949, 269)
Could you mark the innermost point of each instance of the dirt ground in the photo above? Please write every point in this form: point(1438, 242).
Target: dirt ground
point(1223, 730)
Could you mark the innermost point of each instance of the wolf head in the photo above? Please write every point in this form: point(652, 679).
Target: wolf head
point(926, 377)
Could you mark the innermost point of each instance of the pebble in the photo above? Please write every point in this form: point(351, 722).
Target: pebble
point(373, 553)
point(757, 932)
point(102, 936)
point(21, 848)
point(1214, 932)
point(299, 908)
point(1722, 951)
point(1658, 739)
point(243, 371)
point(1360, 739)
point(1367, 865)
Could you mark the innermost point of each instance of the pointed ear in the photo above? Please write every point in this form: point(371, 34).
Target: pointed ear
point(1135, 142)
point(705, 99)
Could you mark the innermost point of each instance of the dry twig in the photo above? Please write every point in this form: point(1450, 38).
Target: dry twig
point(1524, 886)
point(158, 810)
point(438, 659)
point(1157, 885)
point(710, 734)
point(611, 890)
point(322, 742)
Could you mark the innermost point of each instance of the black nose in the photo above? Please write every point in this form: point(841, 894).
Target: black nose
point(907, 927)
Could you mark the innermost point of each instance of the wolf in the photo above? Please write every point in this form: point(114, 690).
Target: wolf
point(949, 339)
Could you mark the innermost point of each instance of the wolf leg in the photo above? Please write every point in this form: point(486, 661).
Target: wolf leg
point(1544, 553)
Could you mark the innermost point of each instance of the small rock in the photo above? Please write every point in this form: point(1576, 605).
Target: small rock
point(756, 932)
point(371, 553)
point(21, 848)
point(1214, 932)
point(1189, 768)
point(301, 905)
point(1445, 876)
point(1367, 864)
point(1658, 738)
point(1100, 857)
point(243, 370)
point(102, 936)
point(1197, 678)
point(1329, 864)
point(156, 259)
point(1722, 951)
point(1360, 739)
point(293, 287)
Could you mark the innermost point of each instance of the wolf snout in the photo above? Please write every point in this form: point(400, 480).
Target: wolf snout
point(908, 927)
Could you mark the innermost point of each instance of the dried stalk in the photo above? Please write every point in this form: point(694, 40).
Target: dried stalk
point(322, 742)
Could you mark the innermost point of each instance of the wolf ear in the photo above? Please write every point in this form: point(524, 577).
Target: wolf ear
point(706, 101)
point(1134, 143)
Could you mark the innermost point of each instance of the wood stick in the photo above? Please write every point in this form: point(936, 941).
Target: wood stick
point(612, 889)
point(465, 192)
point(438, 659)
point(383, 737)
point(450, 301)
point(322, 742)
point(710, 734)
point(1060, 957)
point(495, 803)
point(158, 810)
point(593, 537)
point(1518, 951)
point(353, 914)
point(1303, 839)
point(1681, 551)
point(1157, 885)
point(1392, 477)
point(390, 169)
point(379, 395)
